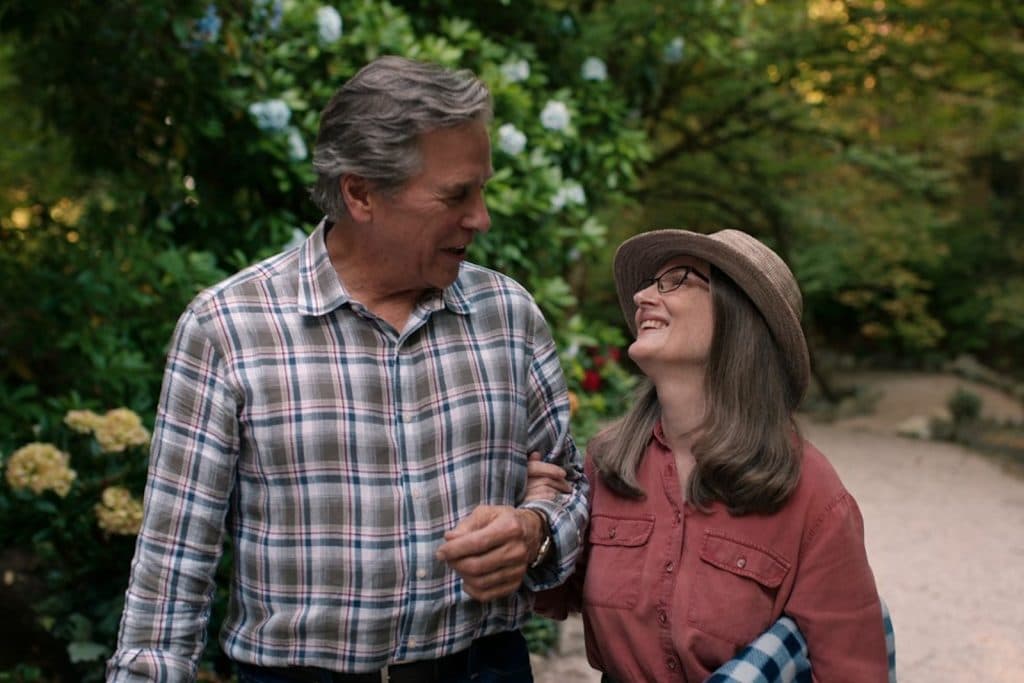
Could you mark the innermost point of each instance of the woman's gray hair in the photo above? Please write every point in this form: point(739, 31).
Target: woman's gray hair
point(371, 126)
point(748, 449)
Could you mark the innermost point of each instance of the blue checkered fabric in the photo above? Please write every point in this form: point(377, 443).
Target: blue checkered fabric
point(780, 656)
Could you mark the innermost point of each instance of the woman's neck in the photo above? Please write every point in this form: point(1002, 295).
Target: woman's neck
point(683, 402)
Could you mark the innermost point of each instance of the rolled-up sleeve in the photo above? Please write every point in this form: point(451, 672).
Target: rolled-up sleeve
point(548, 414)
point(190, 480)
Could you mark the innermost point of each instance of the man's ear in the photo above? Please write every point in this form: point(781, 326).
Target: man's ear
point(355, 192)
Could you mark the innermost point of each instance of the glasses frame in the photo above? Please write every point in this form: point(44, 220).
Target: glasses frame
point(665, 289)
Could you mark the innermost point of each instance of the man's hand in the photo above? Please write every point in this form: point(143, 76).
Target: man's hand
point(545, 481)
point(492, 548)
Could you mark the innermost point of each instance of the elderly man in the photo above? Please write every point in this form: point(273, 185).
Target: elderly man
point(355, 415)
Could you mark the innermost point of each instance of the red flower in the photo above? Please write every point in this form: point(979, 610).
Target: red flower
point(591, 380)
point(615, 353)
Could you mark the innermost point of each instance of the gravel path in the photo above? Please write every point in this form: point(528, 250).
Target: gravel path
point(945, 535)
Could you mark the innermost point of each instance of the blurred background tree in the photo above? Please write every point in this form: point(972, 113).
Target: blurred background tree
point(153, 147)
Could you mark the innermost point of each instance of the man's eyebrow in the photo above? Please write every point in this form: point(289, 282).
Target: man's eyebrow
point(461, 185)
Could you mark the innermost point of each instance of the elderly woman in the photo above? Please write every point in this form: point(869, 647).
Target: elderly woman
point(711, 517)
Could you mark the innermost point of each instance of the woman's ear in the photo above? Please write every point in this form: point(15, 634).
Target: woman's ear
point(355, 192)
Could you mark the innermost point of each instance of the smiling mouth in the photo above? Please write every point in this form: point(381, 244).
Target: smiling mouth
point(652, 325)
point(458, 251)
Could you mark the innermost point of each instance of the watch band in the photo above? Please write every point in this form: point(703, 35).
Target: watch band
point(545, 545)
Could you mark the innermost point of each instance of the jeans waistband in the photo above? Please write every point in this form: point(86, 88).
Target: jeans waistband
point(440, 670)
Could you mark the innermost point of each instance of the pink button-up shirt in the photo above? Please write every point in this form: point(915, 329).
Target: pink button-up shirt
point(670, 593)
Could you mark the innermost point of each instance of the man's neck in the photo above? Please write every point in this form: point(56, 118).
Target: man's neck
point(358, 270)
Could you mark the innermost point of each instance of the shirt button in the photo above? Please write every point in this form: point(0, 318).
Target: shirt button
point(669, 567)
point(417, 492)
point(611, 533)
point(412, 642)
point(662, 617)
point(421, 574)
point(407, 418)
point(671, 664)
point(741, 563)
point(679, 517)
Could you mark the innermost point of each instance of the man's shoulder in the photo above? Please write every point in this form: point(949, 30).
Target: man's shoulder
point(478, 282)
point(252, 281)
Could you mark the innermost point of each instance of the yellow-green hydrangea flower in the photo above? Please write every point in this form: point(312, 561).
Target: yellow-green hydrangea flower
point(40, 467)
point(119, 429)
point(82, 421)
point(118, 512)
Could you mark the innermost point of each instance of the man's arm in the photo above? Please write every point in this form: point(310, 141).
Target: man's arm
point(191, 472)
point(548, 412)
point(779, 655)
point(493, 548)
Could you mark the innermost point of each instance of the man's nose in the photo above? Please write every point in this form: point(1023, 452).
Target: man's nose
point(478, 218)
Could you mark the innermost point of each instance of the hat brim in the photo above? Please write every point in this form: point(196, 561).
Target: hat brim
point(638, 259)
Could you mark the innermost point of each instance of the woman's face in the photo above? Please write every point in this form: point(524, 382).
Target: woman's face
point(674, 327)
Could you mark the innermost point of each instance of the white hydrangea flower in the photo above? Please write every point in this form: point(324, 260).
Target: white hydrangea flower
point(270, 115)
point(673, 52)
point(328, 24)
point(569, 193)
point(296, 145)
point(594, 69)
point(511, 140)
point(516, 71)
point(555, 115)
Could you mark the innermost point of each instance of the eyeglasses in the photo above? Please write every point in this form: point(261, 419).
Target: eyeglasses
point(672, 279)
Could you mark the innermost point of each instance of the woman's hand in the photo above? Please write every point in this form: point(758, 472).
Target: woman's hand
point(545, 481)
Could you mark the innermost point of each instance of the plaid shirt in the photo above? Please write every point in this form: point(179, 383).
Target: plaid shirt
point(779, 655)
point(335, 452)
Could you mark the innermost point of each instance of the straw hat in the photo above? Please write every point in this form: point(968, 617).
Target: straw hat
point(755, 268)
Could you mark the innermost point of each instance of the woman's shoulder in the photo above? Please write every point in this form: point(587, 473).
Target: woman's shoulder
point(821, 492)
point(817, 470)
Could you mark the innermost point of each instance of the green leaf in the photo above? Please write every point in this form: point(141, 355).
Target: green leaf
point(87, 652)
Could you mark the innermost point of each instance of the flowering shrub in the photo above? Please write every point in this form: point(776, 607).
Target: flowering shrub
point(75, 503)
point(40, 467)
point(119, 512)
point(210, 173)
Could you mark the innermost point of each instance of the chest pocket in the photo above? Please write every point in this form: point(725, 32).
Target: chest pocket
point(618, 549)
point(733, 596)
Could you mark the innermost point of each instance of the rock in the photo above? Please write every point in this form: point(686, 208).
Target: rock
point(916, 427)
point(969, 367)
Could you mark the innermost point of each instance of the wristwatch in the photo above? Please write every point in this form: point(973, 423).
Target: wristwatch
point(545, 545)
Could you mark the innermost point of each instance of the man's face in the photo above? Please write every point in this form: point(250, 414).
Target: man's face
point(423, 231)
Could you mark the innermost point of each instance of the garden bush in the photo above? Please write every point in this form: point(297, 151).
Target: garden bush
point(193, 123)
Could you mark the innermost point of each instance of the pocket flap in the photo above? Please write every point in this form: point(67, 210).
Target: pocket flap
point(744, 559)
point(605, 530)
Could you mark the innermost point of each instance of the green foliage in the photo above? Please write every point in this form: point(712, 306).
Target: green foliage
point(877, 146)
point(84, 563)
point(964, 406)
point(180, 178)
point(541, 635)
point(104, 297)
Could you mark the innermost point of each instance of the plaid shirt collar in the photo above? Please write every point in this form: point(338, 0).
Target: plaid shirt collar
point(321, 291)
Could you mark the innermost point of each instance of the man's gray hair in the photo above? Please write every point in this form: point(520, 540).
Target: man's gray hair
point(371, 126)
